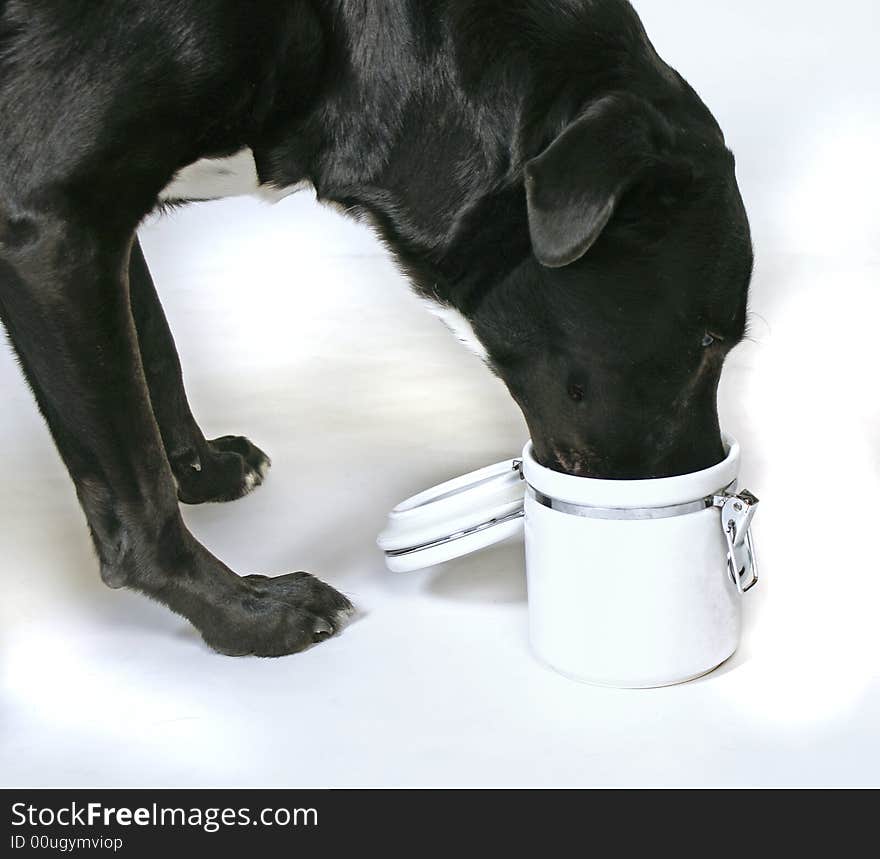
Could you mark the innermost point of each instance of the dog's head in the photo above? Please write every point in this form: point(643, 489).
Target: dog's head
point(611, 336)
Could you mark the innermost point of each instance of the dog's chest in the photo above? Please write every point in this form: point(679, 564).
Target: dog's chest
point(459, 326)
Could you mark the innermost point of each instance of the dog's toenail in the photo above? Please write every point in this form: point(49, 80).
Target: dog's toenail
point(322, 627)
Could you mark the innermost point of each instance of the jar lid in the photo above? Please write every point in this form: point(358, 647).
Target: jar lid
point(456, 518)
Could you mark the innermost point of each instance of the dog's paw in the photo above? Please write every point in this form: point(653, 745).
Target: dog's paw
point(229, 468)
point(278, 616)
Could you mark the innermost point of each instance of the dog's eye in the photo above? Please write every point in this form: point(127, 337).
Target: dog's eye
point(708, 340)
point(576, 392)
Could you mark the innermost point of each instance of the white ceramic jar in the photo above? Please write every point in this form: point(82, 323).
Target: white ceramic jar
point(634, 583)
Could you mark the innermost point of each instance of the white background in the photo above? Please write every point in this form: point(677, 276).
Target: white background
point(295, 329)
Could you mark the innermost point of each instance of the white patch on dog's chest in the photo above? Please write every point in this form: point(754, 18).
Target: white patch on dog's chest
point(214, 178)
point(459, 326)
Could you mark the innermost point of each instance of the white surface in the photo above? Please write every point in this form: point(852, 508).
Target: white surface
point(636, 603)
point(362, 398)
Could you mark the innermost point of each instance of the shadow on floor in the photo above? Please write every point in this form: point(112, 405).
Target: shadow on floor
point(495, 575)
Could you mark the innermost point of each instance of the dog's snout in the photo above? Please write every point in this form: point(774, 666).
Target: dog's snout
point(579, 463)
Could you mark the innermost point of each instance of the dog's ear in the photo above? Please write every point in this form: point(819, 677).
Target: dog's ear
point(573, 186)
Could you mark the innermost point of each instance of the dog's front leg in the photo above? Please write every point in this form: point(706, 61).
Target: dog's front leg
point(221, 469)
point(64, 297)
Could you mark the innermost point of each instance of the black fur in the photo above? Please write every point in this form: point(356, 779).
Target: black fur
point(532, 163)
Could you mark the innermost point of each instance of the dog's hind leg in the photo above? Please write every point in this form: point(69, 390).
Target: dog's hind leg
point(221, 469)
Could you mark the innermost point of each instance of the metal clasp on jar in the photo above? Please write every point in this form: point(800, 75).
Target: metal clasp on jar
point(737, 512)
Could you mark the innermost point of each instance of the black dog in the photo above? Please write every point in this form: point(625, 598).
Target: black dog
point(533, 164)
